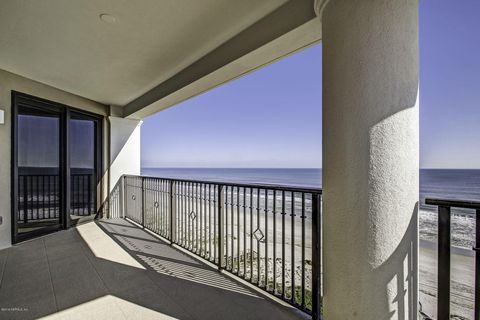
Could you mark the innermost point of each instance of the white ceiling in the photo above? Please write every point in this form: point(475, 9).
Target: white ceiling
point(63, 43)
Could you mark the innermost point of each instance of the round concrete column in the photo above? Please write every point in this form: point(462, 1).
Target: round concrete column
point(370, 159)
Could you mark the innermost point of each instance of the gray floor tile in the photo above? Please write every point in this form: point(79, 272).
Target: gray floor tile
point(75, 281)
point(63, 276)
point(31, 304)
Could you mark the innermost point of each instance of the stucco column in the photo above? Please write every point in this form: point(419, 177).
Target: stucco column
point(370, 159)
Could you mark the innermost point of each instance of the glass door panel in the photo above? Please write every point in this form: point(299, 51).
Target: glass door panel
point(82, 168)
point(39, 172)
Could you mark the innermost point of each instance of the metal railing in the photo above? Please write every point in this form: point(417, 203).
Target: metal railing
point(267, 235)
point(39, 197)
point(40, 194)
point(444, 245)
point(81, 194)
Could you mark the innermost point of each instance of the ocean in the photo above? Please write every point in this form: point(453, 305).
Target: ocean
point(434, 183)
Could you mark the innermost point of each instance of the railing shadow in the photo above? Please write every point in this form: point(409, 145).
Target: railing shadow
point(156, 255)
point(399, 274)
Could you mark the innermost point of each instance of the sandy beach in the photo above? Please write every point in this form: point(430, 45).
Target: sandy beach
point(462, 281)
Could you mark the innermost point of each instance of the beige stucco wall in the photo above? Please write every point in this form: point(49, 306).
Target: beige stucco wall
point(124, 148)
point(9, 82)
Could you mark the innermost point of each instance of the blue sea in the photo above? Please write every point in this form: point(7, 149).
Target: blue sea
point(434, 183)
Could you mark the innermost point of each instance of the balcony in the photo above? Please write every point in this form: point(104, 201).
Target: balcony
point(113, 64)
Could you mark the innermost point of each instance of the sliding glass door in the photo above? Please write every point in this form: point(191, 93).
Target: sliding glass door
point(56, 161)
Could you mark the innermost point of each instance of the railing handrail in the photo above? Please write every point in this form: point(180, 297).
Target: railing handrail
point(38, 175)
point(234, 184)
point(465, 204)
point(51, 174)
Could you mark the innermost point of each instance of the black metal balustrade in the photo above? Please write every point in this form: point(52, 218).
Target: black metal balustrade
point(444, 237)
point(39, 196)
point(267, 235)
point(81, 194)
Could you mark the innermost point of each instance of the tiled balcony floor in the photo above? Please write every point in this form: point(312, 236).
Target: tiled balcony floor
point(112, 269)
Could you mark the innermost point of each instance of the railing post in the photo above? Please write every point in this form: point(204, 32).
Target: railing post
point(477, 265)
point(143, 202)
point(316, 254)
point(89, 193)
point(25, 200)
point(123, 197)
point(172, 212)
point(443, 290)
point(221, 229)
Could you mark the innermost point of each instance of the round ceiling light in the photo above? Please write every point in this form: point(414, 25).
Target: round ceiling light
point(108, 18)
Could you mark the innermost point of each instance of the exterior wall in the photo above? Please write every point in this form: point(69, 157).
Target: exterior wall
point(124, 148)
point(9, 82)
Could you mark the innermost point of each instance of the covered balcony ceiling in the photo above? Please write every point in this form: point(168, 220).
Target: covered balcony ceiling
point(145, 52)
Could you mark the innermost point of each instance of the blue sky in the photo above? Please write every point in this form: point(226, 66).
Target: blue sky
point(272, 117)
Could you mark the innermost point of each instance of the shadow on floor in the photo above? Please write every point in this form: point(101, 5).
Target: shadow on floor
point(111, 269)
